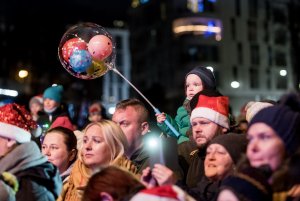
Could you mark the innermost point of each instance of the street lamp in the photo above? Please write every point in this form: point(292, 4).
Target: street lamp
point(235, 84)
point(283, 73)
point(23, 74)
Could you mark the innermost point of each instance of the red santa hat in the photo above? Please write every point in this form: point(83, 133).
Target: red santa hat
point(162, 193)
point(213, 108)
point(16, 123)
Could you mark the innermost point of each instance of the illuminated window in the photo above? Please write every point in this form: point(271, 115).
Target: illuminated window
point(206, 27)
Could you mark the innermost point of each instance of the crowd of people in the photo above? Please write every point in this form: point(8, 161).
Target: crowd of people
point(44, 156)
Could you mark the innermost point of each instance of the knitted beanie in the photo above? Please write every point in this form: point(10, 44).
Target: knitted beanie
point(210, 104)
point(207, 77)
point(248, 184)
point(254, 107)
point(162, 193)
point(54, 93)
point(235, 144)
point(16, 123)
point(284, 119)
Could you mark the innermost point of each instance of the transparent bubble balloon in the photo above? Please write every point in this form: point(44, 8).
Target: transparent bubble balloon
point(87, 51)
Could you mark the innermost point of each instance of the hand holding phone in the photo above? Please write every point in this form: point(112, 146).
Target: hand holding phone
point(147, 179)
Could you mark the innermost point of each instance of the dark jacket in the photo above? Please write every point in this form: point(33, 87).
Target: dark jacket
point(140, 159)
point(195, 171)
point(205, 190)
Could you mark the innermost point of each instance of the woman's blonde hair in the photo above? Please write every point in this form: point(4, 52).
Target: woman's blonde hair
point(113, 136)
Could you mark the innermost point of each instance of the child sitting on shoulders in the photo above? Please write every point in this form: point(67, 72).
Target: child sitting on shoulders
point(195, 81)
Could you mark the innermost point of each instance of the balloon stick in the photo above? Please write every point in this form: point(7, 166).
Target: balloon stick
point(156, 110)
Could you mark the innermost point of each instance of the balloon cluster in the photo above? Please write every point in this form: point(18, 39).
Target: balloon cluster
point(86, 51)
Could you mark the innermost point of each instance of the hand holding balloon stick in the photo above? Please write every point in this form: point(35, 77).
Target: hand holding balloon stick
point(87, 52)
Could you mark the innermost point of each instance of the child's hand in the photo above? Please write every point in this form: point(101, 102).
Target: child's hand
point(160, 118)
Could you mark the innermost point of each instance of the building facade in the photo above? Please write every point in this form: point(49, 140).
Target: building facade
point(114, 87)
point(246, 42)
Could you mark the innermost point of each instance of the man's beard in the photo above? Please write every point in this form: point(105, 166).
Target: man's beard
point(204, 145)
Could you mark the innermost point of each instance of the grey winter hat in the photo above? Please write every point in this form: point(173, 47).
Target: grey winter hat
point(207, 77)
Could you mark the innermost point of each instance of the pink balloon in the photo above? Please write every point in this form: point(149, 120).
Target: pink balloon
point(100, 47)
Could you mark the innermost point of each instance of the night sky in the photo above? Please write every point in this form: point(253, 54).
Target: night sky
point(30, 32)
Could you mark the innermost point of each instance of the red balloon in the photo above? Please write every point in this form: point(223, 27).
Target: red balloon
point(71, 45)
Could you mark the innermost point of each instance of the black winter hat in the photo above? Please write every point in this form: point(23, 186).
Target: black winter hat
point(207, 77)
point(235, 144)
point(248, 184)
point(284, 119)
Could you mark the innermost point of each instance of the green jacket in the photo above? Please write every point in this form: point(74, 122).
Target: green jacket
point(181, 123)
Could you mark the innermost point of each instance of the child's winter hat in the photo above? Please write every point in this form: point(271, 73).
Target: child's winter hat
point(16, 123)
point(211, 105)
point(235, 144)
point(284, 119)
point(162, 193)
point(54, 92)
point(36, 99)
point(207, 77)
point(248, 184)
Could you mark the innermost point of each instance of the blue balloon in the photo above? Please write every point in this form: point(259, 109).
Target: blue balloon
point(80, 60)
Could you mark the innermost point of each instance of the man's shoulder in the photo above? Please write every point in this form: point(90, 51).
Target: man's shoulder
point(139, 154)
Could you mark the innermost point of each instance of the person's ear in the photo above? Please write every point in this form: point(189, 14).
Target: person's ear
point(104, 196)
point(73, 154)
point(224, 130)
point(145, 127)
point(11, 143)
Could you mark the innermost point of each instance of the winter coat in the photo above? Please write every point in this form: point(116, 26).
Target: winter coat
point(140, 159)
point(80, 174)
point(206, 190)
point(194, 168)
point(38, 179)
point(181, 123)
point(6, 191)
